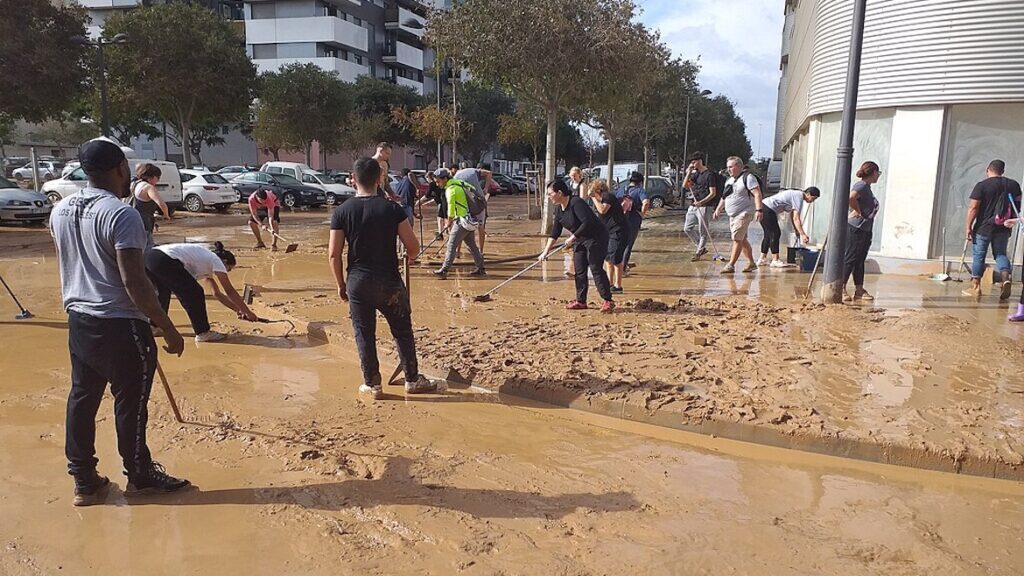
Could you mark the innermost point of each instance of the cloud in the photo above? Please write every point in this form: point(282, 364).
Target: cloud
point(739, 44)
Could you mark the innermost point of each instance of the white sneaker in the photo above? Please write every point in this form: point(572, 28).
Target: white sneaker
point(420, 386)
point(375, 392)
point(728, 269)
point(210, 336)
point(762, 261)
point(777, 264)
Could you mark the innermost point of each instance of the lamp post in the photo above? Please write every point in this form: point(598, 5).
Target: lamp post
point(832, 291)
point(686, 132)
point(99, 43)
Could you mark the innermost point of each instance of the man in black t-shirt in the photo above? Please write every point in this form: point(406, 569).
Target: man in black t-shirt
point(703, 185)
point(370, 226)
point(993, 201)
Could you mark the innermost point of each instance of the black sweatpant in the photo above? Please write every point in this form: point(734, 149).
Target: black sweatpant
point(121, 352)
point(858, 243)
point(170, 277)
point(772, 232)
point(368, 294)
point(634, 233)
point(591, 253)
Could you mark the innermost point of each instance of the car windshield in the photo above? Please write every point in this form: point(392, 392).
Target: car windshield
point(285, 179)
point(5, 183)
point(214, 179)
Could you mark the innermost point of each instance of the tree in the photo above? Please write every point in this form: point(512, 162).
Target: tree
point(717, 130)
point(540, 51)
point(183, 62)
point(271, 132)
point(64, 132)
point(479, 109)
point(570, 148)
point(42, 70)
point(524, 128)
point(428, 125)
point(361, 132)
point(377, 98)
point(303, 104)
point(209, 135)
point(662, 109)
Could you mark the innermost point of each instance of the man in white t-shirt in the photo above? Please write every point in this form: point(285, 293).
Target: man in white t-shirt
point(742, 202)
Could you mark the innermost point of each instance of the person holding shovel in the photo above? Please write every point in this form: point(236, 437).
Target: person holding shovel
point(370, 227)
point(588, 241)
point(178, 268)
point(264, 205)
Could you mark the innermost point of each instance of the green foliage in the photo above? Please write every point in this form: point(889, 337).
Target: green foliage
point(64, 132)
point(300, 104)
point(718, 131)
point(373, 100)
point(184, 63)
point(42, 70)
point(479, 108)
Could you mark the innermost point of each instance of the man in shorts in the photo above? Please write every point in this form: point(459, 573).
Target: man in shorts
point(264, 205)
point(742, 202)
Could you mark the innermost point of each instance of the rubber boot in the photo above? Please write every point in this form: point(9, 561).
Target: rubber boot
point(1004, 288)
point(1019, 316)
point(975, 290)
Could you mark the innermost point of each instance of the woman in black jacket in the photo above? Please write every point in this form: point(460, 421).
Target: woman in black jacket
point(588, 241)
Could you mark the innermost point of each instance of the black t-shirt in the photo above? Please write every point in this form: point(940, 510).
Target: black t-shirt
point(579, 219)
point(437, 193)
point(370, 224)
point(702, 184)
point(614, 219)
point(992, 194)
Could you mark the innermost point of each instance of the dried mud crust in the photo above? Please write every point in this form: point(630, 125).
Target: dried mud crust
point(901, 383)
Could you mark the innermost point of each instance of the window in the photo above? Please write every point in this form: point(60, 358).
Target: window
point(78, 175)
point(264, 51)
point(263, 178)
point(214, 179)
point(274, 169)
point(330, 10)
point(187, 177)
point(264, 10)
point(359, 59)
point(308, 179)
point(330, 52)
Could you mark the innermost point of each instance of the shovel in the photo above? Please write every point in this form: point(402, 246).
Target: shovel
point(486, 297)
point(805, 293)
point(963, 259)
point(292, 246)
point(944, 276)
point(718, 255)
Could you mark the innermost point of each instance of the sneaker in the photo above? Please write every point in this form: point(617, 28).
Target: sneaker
point(89, 488)
point(210, 336)
point(576, 305)
point(617, 289)
point(607, 307)
point(259, 246)
point(750, 267)
point(728, 269)
point(846, 296)
point(778, 264)
point(156, 479)
point(438, 236)
point(375, 392)
point(762, 261)
point(420, 386)
point(478, 272)
point(698, 254)
point(862, 294)
point(441, 274)
point(1004, 290)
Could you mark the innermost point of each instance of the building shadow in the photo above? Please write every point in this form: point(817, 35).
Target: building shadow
point(397, 486)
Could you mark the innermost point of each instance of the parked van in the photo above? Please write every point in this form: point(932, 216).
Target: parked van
point(622, 171)
point(169, 186)
point(774, 176)
point(336, 192)
point(293, 169)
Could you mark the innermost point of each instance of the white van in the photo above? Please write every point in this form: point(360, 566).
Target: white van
point(169, 185)
point(774, 176)
point(622, 171)
point(336, 193)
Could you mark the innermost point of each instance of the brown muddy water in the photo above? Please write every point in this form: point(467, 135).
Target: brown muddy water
point(295, 475)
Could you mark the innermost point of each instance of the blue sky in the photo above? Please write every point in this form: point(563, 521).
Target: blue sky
point(739, 44)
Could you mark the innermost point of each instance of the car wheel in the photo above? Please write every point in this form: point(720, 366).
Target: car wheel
point(657, 202)
point(53, 197)
point(289, 200)
point(193, 203)
point(331, 199)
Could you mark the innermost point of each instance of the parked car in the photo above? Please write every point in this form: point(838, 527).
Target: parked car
point(12, 163)
point(169, 185)
point(336, 193)
point(508, 185)
point(47, 169)
point(291, 192)
point(20, 205)
point(229, 172)
point(525, 182)
point(774, 176)
point(293, 169)
point(205, 190)
point(659, 191)
point(69, 168)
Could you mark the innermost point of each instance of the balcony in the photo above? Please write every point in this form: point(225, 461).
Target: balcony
point(398, 52)
point(108, 4)
point(325, 29)
point(347, 71)
point(395, 16)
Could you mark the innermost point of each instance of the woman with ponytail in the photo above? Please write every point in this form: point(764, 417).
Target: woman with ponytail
point(863, 209)
point(177, 268)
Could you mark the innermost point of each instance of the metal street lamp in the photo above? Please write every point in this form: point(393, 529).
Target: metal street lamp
point(686, 132)
point(99, 43)
point(835, 276)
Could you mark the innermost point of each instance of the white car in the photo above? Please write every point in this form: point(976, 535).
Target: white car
point(202, 189)
point(169, 184)
point(48, 170)
point(336, 193)
point(69, 168)
point(229, 172)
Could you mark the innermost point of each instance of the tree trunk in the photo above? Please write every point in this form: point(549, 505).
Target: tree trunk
point(549, 169)
point(186, 151)
point(611, 161)
point(647, 155)
point(309, 151)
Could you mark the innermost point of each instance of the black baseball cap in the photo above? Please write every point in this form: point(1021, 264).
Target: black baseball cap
point(100, 155)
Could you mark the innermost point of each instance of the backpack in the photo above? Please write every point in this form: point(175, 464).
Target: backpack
point(743, 176)
point(476, 201)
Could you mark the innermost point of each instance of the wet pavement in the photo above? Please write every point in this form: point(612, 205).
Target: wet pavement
point(296, 475)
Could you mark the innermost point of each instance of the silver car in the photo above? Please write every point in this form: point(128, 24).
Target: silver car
point(21, 205)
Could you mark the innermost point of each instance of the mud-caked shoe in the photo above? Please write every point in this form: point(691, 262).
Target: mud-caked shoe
point(1004, 290)
point(576, 305)
point(728, 269)
point(441, 274)
point(373, 392)
point(155, 479)
point(421, 385)
point(607, 307)
point(478, 272)
point(90, 488)
point(861, 294)
point(210, 336)
point(751, 267)
point(974, 291)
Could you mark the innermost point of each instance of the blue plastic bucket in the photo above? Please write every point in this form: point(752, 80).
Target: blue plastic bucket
point(809, 259)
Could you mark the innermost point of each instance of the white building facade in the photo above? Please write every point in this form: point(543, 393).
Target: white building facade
point(941, 95)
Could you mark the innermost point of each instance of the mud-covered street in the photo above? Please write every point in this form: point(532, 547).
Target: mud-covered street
point(712, 425)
